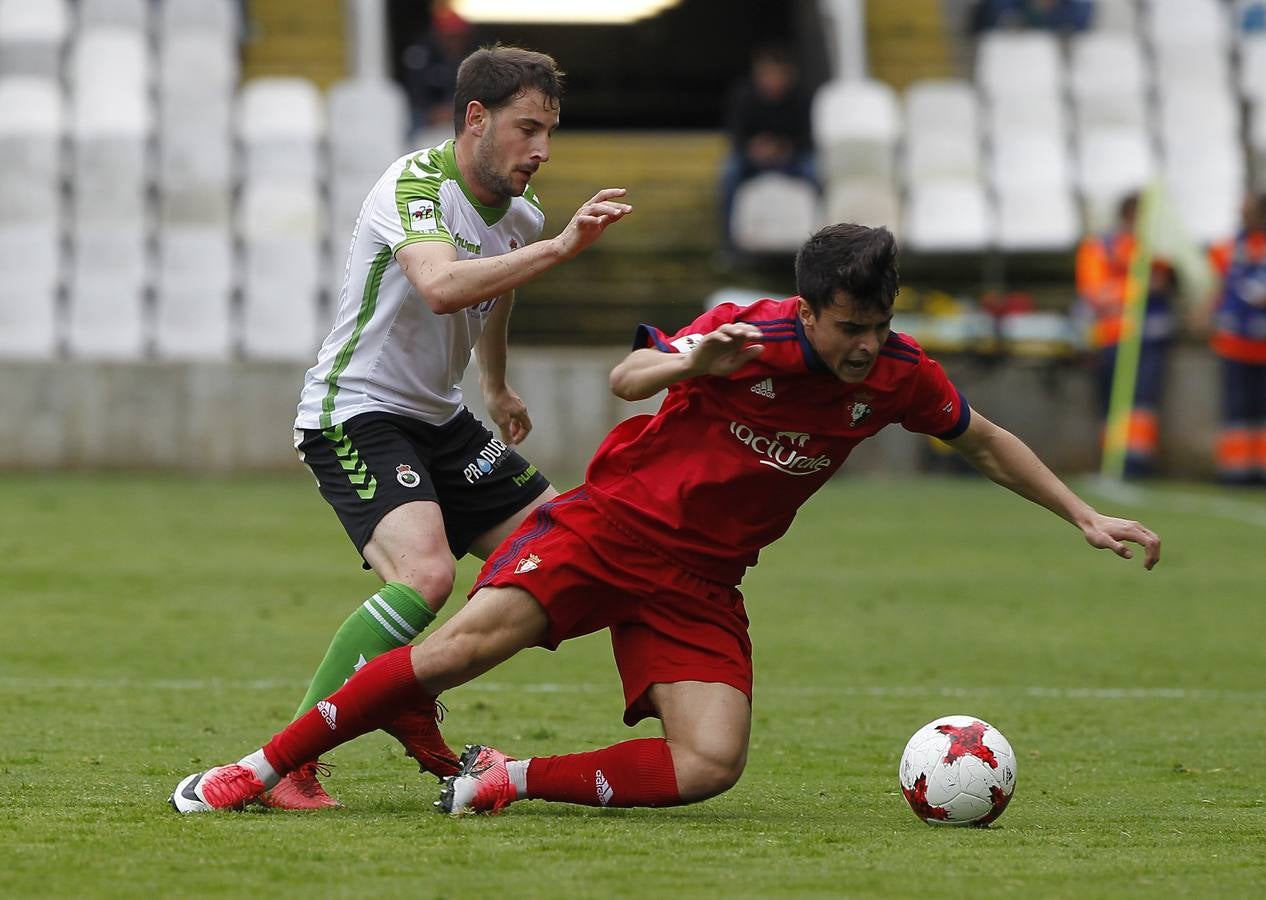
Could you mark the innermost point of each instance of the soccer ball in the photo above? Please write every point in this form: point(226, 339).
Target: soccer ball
point(958, 770)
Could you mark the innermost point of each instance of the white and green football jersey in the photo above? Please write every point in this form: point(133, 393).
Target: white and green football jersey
point(388, 352)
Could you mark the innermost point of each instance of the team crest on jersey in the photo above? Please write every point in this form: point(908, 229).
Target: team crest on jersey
point(527, 564)
point(422, 216)
point(407, 477)
point(858, 413)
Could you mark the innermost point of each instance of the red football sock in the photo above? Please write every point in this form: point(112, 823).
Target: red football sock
point(382, 689)
point(632, 773)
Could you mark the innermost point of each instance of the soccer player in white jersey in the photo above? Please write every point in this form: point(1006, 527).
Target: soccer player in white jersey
point(442, 241)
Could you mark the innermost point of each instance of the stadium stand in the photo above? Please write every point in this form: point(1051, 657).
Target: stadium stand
point(32, 36)
point(774, 213)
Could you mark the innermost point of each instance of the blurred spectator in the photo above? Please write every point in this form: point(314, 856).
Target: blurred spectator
point(1239, 340)
point(769, 127)
point(1250, 16)
point(1053, 15)
point(430, 68)
point(1102, 274)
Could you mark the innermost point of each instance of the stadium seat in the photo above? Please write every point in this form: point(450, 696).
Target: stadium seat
point(198, 75)
point(31, 129)
point(193, 293)
point(368, 123)
point(947, 216)
point(133, 14)
point(1107, 79)
point(1111, 162)
point(30, 257)
point(218, 18)
point(281, 123)
point(774, 213)
point(1257, 144)
point(1209, 206)
point(107, 292)
point(1252, 71)
point(1037, 218)
point(279, 227)
point(942, 130)
point(863, 201)
point(1041, 112)
point(1023, 63)
point(856, 125)
point(31, 36)
point(1031, 159)
point(1115, 15)
point(1185, 22)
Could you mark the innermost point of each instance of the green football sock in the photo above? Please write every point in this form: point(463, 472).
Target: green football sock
point(390, 618)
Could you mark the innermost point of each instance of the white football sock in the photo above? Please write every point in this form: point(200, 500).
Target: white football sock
point(264, 770)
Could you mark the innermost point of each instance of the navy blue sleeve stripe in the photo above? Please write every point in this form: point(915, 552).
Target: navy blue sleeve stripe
point(964, 419)
point(893, 354)
point(896, 342)
point(789, 320)
point(650, 336)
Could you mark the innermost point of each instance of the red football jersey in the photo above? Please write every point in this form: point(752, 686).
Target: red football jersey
point(720, 471)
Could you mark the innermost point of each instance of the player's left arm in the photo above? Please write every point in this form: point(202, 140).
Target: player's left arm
point(1008, 461)
point(505, 407)
point(647, 371)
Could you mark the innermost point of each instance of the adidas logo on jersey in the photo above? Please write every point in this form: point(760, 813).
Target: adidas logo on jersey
point(329, 712)
point(764, 388)
point(604, 788)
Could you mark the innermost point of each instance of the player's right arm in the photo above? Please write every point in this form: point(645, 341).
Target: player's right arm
point(448, 284)
point(647, 371)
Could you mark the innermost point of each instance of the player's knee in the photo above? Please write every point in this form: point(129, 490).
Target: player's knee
point(433, 582)
point(705, 772)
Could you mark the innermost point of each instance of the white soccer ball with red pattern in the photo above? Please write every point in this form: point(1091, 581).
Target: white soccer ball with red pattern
point(958, 770)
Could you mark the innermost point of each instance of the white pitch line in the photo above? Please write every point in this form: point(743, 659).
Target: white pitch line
point(36, 685)
point(1173, 500)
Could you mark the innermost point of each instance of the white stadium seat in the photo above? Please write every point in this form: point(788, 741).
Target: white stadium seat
point(30, 258)
point(31, 129)
point(947, 216)
point(1252, 78)
point(856, 125)
point(1107, 79)
point(1111, 162)
point(281, 123)
point(774, 213)
point(1115, 16)
point(107, 292)
point(1182, 22)
point(193, 293)
point(279, 227)
point(133, 14)
point(863, 201)
point(1042, 217)
point(206, 17)
point(1034, 160)
point(1019, 63)
point(32, 33)
point(942, 130)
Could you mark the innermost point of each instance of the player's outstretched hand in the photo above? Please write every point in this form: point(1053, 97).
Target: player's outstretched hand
point(591, 220)
point(727, 349)
point(508, 410)
point(1109, 533)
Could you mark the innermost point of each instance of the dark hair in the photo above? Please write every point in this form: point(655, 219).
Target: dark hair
point(859, 261)
point(497, 74)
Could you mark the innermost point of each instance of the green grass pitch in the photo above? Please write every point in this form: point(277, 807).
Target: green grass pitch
point(154, 625)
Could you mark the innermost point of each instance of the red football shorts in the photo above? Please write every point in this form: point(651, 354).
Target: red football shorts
point(666, 625)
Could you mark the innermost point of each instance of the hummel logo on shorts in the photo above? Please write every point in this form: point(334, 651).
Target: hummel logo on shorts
point(764, 388)
point(329, 712)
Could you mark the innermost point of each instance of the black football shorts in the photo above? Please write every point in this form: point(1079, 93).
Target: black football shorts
point(374, 462)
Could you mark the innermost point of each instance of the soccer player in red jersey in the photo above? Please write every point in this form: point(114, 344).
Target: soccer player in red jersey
point(764, 404)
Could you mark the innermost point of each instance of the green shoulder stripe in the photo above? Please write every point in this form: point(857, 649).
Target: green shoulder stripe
point(530, 195)
point(418, 196)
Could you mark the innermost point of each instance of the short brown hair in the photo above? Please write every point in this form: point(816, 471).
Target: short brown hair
point(496, 74)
